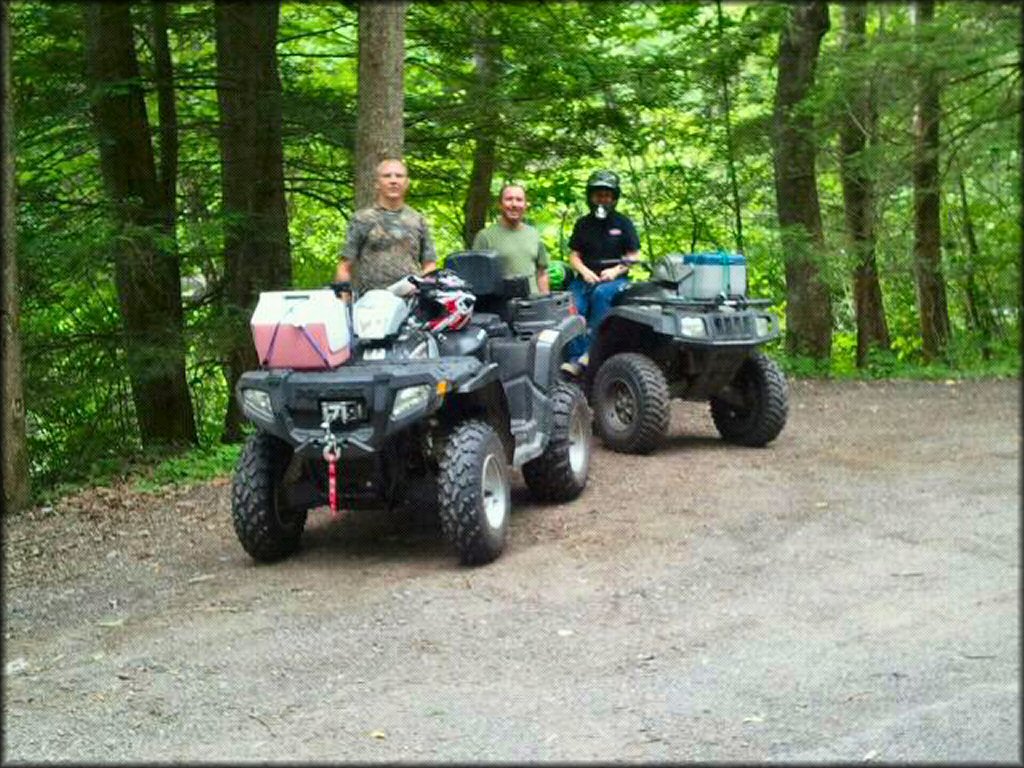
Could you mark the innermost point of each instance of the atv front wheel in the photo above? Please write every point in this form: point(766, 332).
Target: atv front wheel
point(560, 473)
point(631, 403)
point(267, 529)
point(753, 412)
point(474, 493)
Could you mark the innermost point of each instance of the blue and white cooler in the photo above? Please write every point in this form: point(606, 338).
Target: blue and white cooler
point(715, 273)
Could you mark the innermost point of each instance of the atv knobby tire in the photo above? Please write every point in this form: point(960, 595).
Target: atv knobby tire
point(560, 473)
point(762, 387)
point(267, 529)
point(474, 492)
point(631, 403)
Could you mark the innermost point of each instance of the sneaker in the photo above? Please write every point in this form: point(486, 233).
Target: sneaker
point(573, 369)
point(576, 367)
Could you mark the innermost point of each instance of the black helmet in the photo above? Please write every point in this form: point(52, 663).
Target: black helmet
point(604, 179)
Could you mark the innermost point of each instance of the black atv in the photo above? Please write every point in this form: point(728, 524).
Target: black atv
point(432, 386)
point(657, 343)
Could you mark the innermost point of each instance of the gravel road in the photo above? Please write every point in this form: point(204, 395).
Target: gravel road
point(851, 593)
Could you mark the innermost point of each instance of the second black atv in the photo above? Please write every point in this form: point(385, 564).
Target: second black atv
point(658, 343)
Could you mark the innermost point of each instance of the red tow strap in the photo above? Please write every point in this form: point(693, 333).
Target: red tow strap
point(331, 457)
point(332, 485)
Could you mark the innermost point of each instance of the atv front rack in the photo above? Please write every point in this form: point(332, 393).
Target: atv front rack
point(700, 305)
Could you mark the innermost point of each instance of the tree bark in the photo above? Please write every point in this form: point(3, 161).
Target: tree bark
point(858, 194)
point(486, 53)
point(256, 248)
point(167, 114)
point(381, 97)
point(146, 266)
point(15, 443)
point(978, 307)
point(734, 187)
point(809, 304)
point(931, 286)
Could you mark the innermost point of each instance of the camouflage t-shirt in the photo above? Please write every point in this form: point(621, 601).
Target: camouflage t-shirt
point(386, 245)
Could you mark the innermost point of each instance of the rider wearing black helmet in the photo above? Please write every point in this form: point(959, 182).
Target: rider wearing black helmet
point(601, 244)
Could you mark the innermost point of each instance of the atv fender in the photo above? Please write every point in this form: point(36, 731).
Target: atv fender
point(628, 329)
point(548, 347)
point(481, 378)
point(482, 396)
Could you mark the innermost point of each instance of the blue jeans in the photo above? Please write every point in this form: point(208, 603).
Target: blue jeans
point(593, 302)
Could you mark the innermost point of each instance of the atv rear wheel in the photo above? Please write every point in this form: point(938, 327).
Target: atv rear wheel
point(560, 473)
point(474, 493)
point(755, 411)
point(267, 529)
point(631, 403)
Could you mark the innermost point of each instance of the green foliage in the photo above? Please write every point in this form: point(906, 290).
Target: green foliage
point(146, 471)
point(195, 466)
point(970, 355)
point(638, 87)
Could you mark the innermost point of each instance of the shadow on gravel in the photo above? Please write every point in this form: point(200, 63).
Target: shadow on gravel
point(409, 533)
point(677, 443)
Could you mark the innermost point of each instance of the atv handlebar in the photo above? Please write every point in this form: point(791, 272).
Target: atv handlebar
point(340, 286)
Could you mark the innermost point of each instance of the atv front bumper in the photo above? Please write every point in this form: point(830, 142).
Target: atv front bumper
point(366, 402)
point(700, 325)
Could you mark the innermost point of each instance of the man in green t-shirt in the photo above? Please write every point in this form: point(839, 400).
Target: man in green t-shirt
point(517, 243)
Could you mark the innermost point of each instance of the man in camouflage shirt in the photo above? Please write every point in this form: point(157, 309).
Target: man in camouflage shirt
point(388, 240)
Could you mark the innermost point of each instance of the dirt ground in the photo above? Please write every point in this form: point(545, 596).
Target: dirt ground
point(851, 592)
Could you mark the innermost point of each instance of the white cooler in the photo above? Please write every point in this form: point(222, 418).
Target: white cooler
point(305, 330)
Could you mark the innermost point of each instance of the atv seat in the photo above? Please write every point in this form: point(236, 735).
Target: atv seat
point(649, 291)
point(492, 324)
point(464, 342)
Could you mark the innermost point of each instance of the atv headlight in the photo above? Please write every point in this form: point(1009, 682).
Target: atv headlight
point(761, 326)
point(408, 400)
point(692, 326)
point(257, 403)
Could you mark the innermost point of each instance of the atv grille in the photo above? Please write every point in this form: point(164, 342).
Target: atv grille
point(307, 413)
point(733, 326)
point(312, 420)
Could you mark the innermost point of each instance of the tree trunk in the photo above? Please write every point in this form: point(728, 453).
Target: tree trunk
point(858, 195)
point(167, 114)
point(146, 266)
point(15, 448)
point(978, 308)
point(256, 249)
point(931, 286)
point(809, 305)
point(646, 216)
point(381, 98)
point(478, 195)
point(486, 51)
point(730, 161)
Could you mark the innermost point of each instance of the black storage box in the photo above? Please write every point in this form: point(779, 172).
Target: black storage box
point(481, 269)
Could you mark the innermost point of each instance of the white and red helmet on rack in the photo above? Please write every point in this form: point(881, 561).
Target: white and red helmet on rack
point(448, 303)
point(458, 310)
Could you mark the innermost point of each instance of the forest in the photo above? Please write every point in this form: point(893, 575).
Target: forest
point(166, 162)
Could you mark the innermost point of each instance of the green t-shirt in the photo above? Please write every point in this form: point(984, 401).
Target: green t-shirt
point(521, 250)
